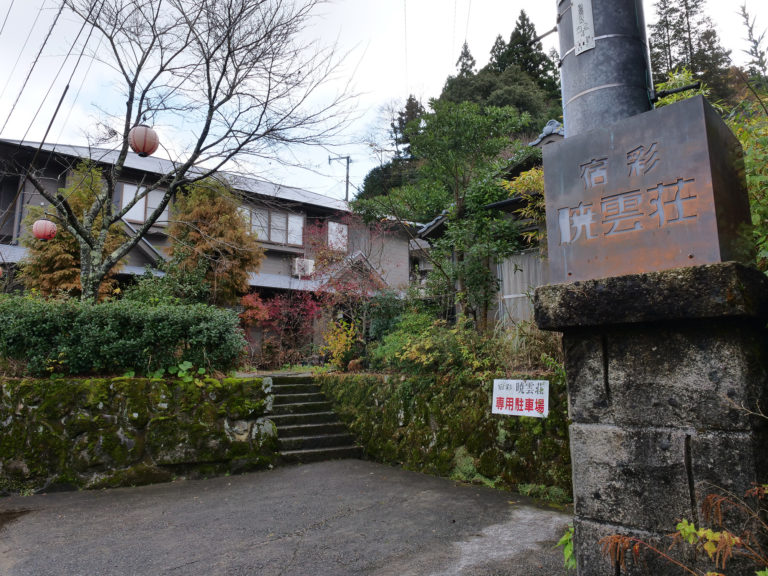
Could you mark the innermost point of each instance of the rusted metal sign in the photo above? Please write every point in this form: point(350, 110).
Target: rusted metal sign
point(660, 190)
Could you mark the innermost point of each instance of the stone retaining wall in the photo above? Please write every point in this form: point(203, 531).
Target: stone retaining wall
point(69, 433)
point(444, 426)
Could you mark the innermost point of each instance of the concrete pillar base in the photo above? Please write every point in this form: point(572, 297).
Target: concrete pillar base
point(662, 368)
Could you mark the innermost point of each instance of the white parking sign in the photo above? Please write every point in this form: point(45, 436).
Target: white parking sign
point(521, 398)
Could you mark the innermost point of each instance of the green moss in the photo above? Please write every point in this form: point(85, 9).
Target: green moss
point(424, 423)
point(244, 407)
point(464, 466)
point(491, 463)
point(138, 475)
point(122, 431)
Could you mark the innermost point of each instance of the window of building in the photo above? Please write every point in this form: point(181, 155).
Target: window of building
point(337, 236)
point(277, 226)
point(260, 223)
point(145, 206)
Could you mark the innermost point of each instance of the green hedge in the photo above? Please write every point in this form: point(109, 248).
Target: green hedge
point(72, 337)
point(104, 432)
point(444, 426)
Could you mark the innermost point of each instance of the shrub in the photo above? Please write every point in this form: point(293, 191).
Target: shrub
point(341, 339)
point(288, 328)
point(421, 345)
point(384, 309)
point(177, 285)
point(73, 337)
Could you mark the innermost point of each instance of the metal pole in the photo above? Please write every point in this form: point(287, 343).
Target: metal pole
point(348, 159)
point(605, 63)
point(346, 193)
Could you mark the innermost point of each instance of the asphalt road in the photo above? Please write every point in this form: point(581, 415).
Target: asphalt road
point(337, 518)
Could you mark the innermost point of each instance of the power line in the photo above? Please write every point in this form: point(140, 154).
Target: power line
point(77, 95)
point(469, 11)
point(58, 72)
point(34, 64)
point(21, 52)
point(453, 33)
point(55, 113)
point(405, 40)
point(5, 20)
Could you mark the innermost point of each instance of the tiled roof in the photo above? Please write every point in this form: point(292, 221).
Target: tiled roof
point(10, 254)
point(155, 165)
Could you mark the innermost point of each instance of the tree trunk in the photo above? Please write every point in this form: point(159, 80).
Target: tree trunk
point(689, 34)
point(460, 295)
point(91, 273)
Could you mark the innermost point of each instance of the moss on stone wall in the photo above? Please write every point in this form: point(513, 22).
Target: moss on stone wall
point(444, 426)
point(89, 433)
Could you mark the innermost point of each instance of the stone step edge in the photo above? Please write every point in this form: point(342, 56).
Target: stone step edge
point(311, 426)
point(337, 435)
point(312, 451)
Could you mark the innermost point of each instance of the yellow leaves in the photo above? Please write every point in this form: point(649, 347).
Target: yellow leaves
point(340, 342)
point(529, 186)
point(526, 184)
point(718, 545)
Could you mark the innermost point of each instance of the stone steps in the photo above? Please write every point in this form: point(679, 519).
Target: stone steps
point(307, 428)
point(320, 454)
point(283, 420)
point(315, 441)
point(281, 398)
point(300, 407)
point(310, 429)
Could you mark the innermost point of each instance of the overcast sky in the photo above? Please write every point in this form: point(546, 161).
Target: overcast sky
point(394, 48)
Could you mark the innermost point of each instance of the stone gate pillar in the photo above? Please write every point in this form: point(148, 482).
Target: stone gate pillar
point(658, 366)
point(647, 214)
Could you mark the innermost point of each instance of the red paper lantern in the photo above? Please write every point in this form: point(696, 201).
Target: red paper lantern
point(44, 230)
point(143, 140)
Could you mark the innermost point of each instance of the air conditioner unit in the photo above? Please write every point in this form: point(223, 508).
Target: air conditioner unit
point(303, 267)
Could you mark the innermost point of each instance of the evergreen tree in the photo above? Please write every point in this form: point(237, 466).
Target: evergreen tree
point(499, 48)
point(458, 145)
point(208, 227)
point(757, 65)
point(400, 170)
point(412, 111)
point(466, 62)
point(711, 62)
point(53, 266)
point(512, 87)
point(684, 37)
point(662, 59)
point(690, 24)
point(525, 52)
point(381, 179)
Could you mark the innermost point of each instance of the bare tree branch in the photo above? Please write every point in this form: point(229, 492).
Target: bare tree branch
point(235, 73)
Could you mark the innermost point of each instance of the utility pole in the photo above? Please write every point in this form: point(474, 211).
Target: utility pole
point(347, 158)
point(605, 73)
